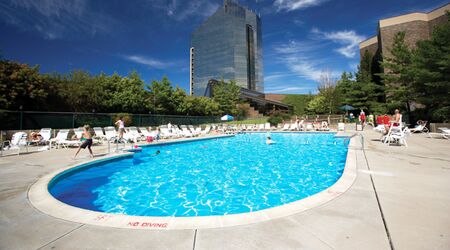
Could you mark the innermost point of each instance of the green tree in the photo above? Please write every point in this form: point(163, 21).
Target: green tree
point(328, 99)
point(299, 102)
point(56, 101)
point(398, 77)
point(178, 100)
point(361, 91)
point(21, 86)
point(318, 105)
point(372, 95)
point(161, 97)
point(226, 95)
point(431, 73)
point(127, 93)
point(81, 92)
point(201, 105)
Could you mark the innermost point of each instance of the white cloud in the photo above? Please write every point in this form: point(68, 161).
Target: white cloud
point(295, 47)
point(147, 61)
point(348, 39)
point(286, 90)
point(276, 76)
point(55, 19)
point(182, 10)
point(298, 22)
point(308, 68)
point(290, 5)
point(300, 58)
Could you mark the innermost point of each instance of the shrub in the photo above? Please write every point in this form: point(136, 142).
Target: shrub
point(277, 117)
point(242, 111)
point(126, 118)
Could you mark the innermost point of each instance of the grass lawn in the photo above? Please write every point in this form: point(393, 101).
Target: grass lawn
point(249, 121)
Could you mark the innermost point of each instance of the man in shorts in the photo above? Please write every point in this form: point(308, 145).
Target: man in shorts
point(86, 138)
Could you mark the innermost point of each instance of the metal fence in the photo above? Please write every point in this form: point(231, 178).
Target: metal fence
point(17, 120)
point(331, 119)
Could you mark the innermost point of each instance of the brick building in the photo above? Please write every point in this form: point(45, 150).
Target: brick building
point(417, 26)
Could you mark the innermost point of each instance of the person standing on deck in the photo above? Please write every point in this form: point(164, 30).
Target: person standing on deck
point(86, 138)
point(121, 126)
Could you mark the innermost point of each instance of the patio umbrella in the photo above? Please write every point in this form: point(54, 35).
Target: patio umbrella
point(347, 107)
point(226, 118)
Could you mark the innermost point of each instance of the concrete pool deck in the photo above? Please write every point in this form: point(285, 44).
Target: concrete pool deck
point(406, 206)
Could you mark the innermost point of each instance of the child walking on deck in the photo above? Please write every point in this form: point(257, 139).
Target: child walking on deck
point(87, 141)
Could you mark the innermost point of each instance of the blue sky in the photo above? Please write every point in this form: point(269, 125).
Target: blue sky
point(301, 38)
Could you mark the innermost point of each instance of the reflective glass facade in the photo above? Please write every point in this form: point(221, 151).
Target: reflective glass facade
point(227, 45)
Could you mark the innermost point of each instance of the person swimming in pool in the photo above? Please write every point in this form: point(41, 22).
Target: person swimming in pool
point(156, 153)
point(269, 141)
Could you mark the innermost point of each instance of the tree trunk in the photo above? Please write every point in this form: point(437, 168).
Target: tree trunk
point(408, 111)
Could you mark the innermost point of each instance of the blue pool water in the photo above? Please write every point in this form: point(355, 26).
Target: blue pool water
point(208, 177)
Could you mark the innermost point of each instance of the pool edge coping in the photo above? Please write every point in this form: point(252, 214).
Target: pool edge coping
point(42, 200)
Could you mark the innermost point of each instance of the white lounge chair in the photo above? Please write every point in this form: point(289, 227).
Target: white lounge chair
point(111, 133)
point(178, 132)
point(324, 126)
point(267, 126)
point(18, 139)
point(61, 139)
point(165, 134)
point(78, 132)
point(285, 127)
point(380, 128)
point(293, 127)
point(46, 134)
point(186, 132)
point(206, 130)
point(422, 127)
point(397, 133)
point(261, 127)
point(99, 134)
point(130, 135)
point(341, 126)
point(193, 130)
point(309, 127)
point(445, 133)
point(144, 132)
point(134, 133)
point(60, 136)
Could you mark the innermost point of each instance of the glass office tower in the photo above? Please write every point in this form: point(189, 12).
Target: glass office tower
point(228, 45)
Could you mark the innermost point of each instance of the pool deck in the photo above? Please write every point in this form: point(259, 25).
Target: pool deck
point(400, 200)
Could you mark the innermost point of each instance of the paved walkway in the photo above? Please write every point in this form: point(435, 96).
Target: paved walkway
point(400, 200)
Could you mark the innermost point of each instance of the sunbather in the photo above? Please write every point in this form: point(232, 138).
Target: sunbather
point(394, 122)
point(34, 136)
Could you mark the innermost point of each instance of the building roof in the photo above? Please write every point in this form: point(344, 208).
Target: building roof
point(368, 42)
point(414, 16)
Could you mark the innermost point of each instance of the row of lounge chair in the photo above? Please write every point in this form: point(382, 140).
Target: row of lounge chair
point(309, 126)
point(281, 127)
point(63, 139)
point(444, 134)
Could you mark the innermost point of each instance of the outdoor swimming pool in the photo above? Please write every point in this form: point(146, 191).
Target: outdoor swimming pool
point(208, 177)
